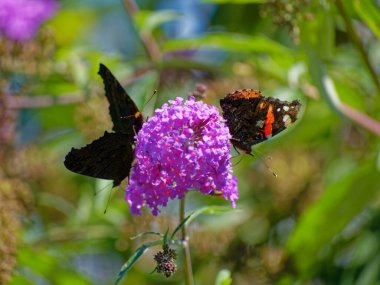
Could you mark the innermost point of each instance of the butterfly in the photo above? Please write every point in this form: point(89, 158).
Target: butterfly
point(110, 156)
point(253, 118)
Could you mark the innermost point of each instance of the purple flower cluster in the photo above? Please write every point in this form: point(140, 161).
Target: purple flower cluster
point(20, 19)
point(182, 147)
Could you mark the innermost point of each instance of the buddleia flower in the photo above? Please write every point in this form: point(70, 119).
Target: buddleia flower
point(21, 19)
point(183, 147)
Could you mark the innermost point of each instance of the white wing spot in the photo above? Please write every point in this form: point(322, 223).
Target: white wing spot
point(260, 123)
point(287, 120)
point(286, 108)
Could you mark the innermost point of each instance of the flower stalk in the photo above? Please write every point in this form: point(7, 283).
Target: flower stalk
point(185, 245)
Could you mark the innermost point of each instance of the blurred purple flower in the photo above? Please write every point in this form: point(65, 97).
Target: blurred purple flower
point(20, 19)
point(182, 147)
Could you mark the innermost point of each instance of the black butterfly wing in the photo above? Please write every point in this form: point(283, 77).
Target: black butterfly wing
point(109, 157)
point(125, 115)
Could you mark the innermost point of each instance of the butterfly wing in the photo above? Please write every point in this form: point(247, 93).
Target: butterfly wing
point(252, 118)
point(125, 115)
point(109, 157)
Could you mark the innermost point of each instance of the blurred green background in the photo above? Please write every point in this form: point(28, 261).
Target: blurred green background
point(318, 222)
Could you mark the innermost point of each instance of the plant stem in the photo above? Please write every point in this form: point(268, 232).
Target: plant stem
point(357, 42)
point(150, 45)
point(186, 251)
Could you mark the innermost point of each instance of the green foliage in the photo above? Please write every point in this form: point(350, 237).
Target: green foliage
point(164, 240)
point(227, 42)
point(339, 204)
point(370, 14)
point(236, 1)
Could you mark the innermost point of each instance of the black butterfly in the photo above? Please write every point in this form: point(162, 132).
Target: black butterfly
point(110, 156)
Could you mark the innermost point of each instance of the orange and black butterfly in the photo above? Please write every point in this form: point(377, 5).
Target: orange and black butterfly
point(110, 156)
point(253, 118)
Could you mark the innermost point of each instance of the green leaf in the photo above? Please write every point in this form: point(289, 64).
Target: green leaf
point(339, 204)
point(133, 259)
point(186, 64)
point(181, 224)
point(146, 234)
point(223, 277)
point(228, 42)
point(236, 1)
point(370, 13)
point(209, 210)
point(147, 21)
point(165, 237)
point(349, 95)
point(370, 274)
point(310, 31)
point(66, 21)
point(18, 279)
point(204, 210)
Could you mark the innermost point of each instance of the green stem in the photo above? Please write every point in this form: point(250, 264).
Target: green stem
point(357, 42)
point(149, 43)
point(186, 251)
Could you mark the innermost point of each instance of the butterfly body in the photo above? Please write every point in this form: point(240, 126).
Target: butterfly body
point(253, 118)
point(110, 156)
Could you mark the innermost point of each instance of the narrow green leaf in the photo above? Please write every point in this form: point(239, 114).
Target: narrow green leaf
point(146, 234)
point(204, 210)
point(370, 13)
point(209, 210)
point(165, 237)
point(228, 42)
point(236, 1)
point(132, 260)
point(181, 224)
point(186, 64)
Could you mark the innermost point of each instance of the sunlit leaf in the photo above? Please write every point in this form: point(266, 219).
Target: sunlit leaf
point(236, 1)
point(369, 11)
point(228, 42)
point(67, 21)
point(147, 21)
point(223, 277)
point(20, 280)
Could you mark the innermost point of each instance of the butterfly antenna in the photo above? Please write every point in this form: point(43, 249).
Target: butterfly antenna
point(270, 169)
point(102, 189)
point(130, 116)
point(151, 97)
point(267, 165)
point(134, 130)
point(108, 201)
point(241, 158)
